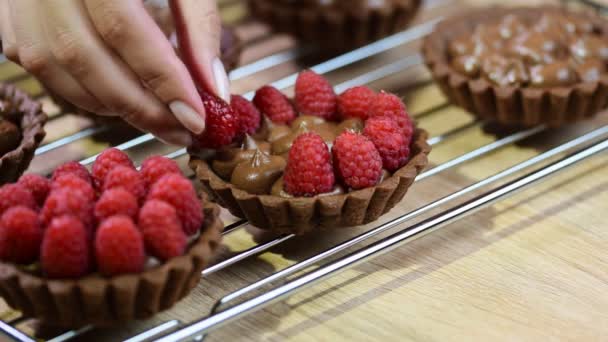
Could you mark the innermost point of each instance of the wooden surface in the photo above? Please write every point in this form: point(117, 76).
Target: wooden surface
point(532, 267)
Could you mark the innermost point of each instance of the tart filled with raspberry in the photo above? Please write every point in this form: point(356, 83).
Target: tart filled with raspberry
point(336, 24)
point(21, 131)
point(523, 66)
point(106, 246)
point(321, 160)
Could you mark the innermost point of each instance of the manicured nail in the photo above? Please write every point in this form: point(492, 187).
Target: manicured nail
point(192, 120)
point(222, 85)
point(180, 138)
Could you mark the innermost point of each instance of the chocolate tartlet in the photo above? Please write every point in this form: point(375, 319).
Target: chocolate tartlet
point(21, 131)
point(247, 180)
point(104, 301)
point(522, 66)
point(336, 25)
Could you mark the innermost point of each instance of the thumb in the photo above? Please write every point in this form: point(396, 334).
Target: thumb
point(198, 33)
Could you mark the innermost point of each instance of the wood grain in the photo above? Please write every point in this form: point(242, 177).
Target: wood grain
point(532, 267)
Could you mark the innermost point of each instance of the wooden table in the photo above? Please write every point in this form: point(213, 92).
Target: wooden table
point(532, 267)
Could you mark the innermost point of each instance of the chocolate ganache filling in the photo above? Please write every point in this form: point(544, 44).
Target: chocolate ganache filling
point(557, 50)
point(257, 164)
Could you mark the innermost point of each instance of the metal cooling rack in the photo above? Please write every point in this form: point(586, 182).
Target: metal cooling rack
point(463, 202)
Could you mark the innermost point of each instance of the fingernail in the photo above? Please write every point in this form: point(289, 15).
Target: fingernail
point(222, 85)
point(193, 121)
point(180, 138)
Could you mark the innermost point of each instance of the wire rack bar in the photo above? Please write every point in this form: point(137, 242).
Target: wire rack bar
point(14, 333)
point(385, 245)
point(360, 54)
point(87, 132)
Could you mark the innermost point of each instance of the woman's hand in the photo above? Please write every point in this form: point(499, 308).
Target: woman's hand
point(110, 57)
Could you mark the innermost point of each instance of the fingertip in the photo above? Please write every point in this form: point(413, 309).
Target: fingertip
point(179, 138)
point(222, 84)
point(187, 116)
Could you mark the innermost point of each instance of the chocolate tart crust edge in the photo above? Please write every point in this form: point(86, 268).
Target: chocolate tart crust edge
point(31, 120)
point(335, 30)
point(108, 301)
point(302, 215)
point(512, 105)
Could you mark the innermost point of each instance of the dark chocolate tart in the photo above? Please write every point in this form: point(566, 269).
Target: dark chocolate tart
point(555, 90)
point(99, 300)
point(301, 215)
point(336, 25)
point(21, 131)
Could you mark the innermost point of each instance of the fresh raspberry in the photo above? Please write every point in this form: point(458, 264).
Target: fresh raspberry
point(117, 201)
point(179, 192)
point(119, 247)
point(66, 201)
point(356, 160)
point(221, 123)
point(308, 171)
point(274, 105)
point(386, 104)
point(39, 186)
point(392, 145)
point(315, 96)
point(106, 161)
point(163, 234)
point(12, 195)
point(72, 167)
point(355, 102)
point(65, 249)
point(73, 182)
point(127, 178)
point(153, 168)
point(249, 116)
point(20, 235)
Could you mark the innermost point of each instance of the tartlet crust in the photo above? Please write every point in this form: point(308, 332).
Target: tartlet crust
point(301, 215)
point(507, 105)
point(28, 115)
point(99, 300)
point(336, 30)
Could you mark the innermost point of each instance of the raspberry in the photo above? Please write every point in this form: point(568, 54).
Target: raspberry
point(392, 145)
point(356, 160)
point(66, 201)
point(355, 102)
point(127, 178)
point(12, 195)
point(65, 249)
point(117, 201)
point(249, 116)
point(315, 96)
point(39, 186)
point(20, 235)
point(385, 104)
point(153, 168)
point(73, 182)
point(163, 234)
point(179, 192)
point(106, 161)
point(72, 168)
point(274, 104)
point(221, 123)
point(308, 171)
point(119, 247)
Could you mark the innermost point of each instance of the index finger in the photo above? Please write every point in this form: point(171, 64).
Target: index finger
point(137, 39)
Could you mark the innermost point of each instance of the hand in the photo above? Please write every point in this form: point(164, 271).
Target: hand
point(109, 57)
